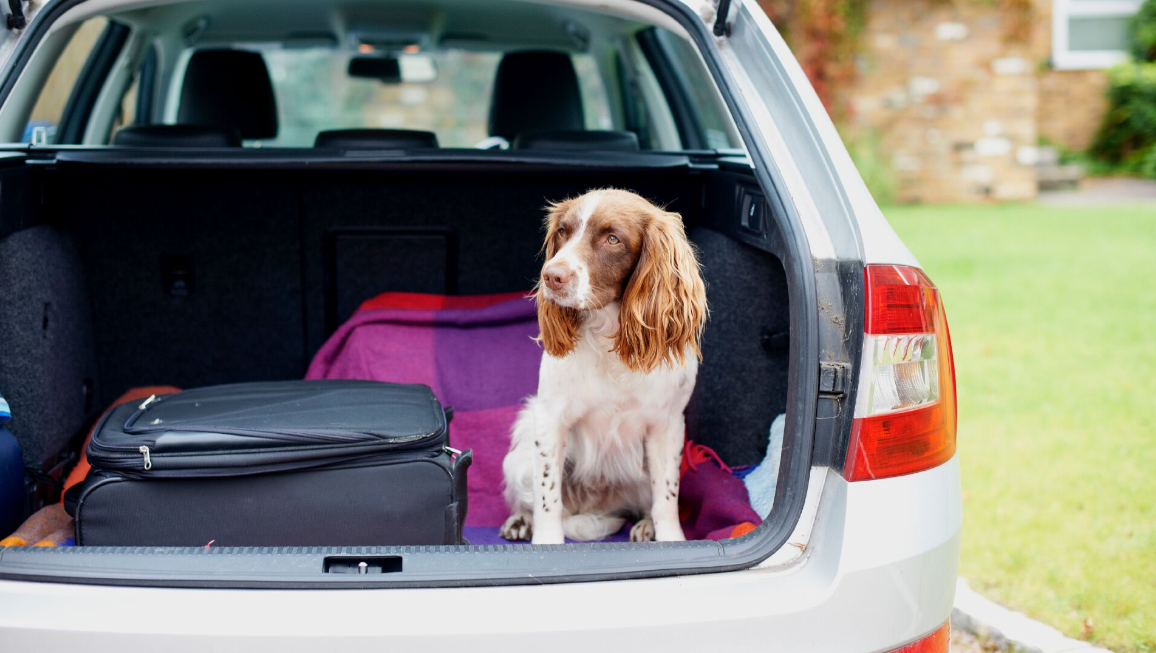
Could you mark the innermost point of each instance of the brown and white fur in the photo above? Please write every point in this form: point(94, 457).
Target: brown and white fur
point(621, 307)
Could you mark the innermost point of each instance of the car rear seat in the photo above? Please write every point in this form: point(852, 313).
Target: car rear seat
point(376, 139)
point(537, 105)
point(176, 136)
point(226, 97)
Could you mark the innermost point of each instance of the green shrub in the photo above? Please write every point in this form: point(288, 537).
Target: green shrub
point(1148, 164)
point(1127, 137)
point(1142, 33)
point(1129, 125)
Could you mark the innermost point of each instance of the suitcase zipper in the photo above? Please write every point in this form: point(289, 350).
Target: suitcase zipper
point(304, 435)
point(144, 453)
point(132, 469)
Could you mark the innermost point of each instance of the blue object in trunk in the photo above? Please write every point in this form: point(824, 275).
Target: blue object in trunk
point(11, 476)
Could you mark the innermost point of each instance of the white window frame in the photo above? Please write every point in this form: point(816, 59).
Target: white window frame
point(1063, 10)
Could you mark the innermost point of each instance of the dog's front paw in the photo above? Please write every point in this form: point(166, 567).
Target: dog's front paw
point(518, 528)
point(642, 531)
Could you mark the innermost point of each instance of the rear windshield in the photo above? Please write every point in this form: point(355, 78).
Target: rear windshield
point(95, 77)
point(315, 93)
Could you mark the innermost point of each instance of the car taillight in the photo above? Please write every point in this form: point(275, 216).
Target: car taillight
point(905, 413)
point(936, 642)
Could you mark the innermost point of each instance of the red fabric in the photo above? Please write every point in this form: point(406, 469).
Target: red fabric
point(712, 501)
point(81, 470)
point(427, 302)
point(694, 455)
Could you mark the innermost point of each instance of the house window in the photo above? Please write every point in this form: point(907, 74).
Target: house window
point(1089, 34)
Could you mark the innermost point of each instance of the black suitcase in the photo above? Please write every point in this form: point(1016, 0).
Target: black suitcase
point(295, 463)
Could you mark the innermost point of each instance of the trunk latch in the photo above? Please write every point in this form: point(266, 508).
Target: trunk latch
point(362, 566)
point(833, 378)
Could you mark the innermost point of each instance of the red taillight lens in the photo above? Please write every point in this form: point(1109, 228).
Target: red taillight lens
point(899, 300)
point(937, 642)
point(905, 414)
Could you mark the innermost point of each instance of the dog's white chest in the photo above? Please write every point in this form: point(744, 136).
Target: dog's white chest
point(597, 387)
point(611, 410)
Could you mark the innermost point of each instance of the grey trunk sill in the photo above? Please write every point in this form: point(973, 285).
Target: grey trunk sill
point(421, 566)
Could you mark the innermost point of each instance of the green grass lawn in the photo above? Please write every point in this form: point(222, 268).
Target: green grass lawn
point(1053, 320)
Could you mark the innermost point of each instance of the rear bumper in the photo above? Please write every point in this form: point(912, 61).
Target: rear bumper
point(879, 572)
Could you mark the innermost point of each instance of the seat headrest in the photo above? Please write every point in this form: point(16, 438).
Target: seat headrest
point(535, 91)
point(375, 139)
point(570, 141)
point(176, 136)
point(229, 89)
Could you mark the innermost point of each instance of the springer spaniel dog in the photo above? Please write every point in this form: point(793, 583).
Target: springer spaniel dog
point(621, 308)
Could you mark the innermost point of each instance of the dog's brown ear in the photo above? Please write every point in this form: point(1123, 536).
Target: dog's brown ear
point(664, 308)
point(558, 324)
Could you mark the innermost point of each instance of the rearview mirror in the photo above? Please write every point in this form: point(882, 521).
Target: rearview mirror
point(409, 68)
point(386, 70)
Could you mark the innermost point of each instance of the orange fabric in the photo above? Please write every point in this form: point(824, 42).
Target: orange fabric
point(59, 536)
point(81, 470)
point(44, 524)
point(742, 529)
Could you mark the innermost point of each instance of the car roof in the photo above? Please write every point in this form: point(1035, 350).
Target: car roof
point(568, 25)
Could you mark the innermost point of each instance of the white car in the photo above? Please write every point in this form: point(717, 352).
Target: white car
point(167, 218)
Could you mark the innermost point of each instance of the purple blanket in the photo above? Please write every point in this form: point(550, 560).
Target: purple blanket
point(478, 355)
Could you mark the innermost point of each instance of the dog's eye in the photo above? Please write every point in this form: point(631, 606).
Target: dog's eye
point(612, 239)
point(561, 231)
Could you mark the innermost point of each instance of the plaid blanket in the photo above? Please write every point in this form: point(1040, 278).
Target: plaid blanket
point(478, 355)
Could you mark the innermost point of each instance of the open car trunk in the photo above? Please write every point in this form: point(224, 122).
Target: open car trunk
point(185, 270)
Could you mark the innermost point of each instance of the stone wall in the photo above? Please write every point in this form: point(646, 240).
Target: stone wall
point(1071, 106)
point(1072, 102)
point(951, 99)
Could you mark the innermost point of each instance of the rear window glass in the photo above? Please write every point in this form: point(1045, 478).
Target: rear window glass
point(315, 93)
point(53, 98)
point(713, 119)
point(109, 73)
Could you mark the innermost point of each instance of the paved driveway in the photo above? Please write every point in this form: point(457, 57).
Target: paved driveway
point(1103, 190)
